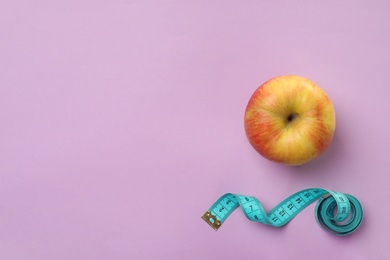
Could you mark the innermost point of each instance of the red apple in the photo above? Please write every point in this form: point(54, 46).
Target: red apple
point(290, 120)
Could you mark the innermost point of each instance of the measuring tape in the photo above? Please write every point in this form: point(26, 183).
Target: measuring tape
point(337, 213)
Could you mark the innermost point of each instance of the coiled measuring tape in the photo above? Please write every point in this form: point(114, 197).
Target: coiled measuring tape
point(337, 213)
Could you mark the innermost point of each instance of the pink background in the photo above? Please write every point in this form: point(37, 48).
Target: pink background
point(122, 122)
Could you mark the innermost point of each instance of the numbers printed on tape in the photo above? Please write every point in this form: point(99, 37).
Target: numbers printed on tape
point(345, 207)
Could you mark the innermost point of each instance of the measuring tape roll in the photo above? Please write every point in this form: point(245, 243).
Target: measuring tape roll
point(338, 213)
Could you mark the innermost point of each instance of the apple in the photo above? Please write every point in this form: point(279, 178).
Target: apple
point(290, 120)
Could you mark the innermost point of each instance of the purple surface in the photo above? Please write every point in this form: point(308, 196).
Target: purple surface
point(122, 122)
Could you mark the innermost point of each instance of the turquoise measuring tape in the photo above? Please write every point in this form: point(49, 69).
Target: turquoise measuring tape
point(338, 213)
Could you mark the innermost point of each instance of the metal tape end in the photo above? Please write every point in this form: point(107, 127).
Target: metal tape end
point(211, 220)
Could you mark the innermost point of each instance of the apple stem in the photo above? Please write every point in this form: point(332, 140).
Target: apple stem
point(291, 117)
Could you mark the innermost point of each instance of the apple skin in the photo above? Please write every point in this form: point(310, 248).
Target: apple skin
point(290, 120)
